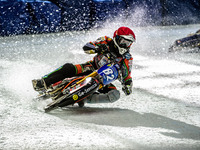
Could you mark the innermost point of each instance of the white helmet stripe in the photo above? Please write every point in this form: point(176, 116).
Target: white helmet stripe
point(128, 37)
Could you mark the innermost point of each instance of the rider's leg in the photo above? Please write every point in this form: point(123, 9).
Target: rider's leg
point(66, 71)
point(108, 94)
point(109, 97)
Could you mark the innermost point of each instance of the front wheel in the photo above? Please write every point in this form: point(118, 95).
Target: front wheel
point(50, 108)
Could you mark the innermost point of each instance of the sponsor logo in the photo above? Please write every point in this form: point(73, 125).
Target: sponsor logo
point(75, 88)
point(90, 88)
point(87, 90)
point(81, 94)
point(75, 97)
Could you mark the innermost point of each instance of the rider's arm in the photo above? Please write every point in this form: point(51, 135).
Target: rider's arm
point(98, 46)
point(90, 48)
point(126, 74)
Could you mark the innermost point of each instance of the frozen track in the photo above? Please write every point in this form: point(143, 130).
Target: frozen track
point(161, 114)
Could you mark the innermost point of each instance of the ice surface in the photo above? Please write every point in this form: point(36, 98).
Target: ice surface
point(162, 113)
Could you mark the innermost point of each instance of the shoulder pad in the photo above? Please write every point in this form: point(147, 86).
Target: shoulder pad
point(108, 39)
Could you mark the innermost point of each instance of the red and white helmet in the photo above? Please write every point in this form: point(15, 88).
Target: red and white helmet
point(123, 39)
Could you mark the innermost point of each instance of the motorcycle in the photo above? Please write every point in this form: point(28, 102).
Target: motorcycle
point(191, 41)
point(75, 90)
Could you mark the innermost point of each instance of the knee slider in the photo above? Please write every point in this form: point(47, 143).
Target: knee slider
point(69, 70)
point(68, 65)
point(113, 95)
point(109, 97)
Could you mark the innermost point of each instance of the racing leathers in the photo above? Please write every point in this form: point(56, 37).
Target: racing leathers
point(106, 52)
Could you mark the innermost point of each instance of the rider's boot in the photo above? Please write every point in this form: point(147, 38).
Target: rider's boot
point(39, 84)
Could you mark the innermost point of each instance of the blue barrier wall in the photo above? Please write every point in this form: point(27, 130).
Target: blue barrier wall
point(108, 9)
point(167, 12)
point(181, 12)
point(44, 16)
point(150, 11)
point(75, 14)
point(27, 17)
point(13, 18)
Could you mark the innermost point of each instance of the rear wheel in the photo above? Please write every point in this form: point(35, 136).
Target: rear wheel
point(81, 104)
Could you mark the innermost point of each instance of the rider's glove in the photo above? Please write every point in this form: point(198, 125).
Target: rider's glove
point(127, 89)
point(90, 48)
point(102, 48)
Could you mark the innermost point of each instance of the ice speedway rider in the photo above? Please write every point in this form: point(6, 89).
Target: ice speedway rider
point(107, 50)
point(191, 41)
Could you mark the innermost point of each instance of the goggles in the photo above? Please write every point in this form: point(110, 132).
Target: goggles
point(125, 41)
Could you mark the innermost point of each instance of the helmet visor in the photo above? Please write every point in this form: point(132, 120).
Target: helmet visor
point(125, 43)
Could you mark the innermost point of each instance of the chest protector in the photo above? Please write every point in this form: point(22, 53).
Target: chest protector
point(102, 59)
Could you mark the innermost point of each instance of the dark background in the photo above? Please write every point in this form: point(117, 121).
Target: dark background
point(42, 16)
